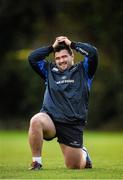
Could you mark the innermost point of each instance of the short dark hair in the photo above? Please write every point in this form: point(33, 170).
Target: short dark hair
point(62, 46)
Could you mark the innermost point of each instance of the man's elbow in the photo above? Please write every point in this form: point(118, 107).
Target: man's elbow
point(30, 58)
point(95, 51)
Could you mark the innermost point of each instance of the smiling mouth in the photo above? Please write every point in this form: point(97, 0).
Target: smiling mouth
point(63, 64)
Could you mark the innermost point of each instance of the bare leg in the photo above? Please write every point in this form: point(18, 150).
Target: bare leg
point(41, 125)
point(74, 158)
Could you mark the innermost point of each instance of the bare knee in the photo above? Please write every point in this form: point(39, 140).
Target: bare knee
point(40, 120)
point(72, 157)
point(35, 122)
point(72, 165)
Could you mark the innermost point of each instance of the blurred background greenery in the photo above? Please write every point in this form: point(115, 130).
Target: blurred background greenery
point(27, 25)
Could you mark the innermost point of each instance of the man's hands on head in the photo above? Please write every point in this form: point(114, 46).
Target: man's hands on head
point(61, 39)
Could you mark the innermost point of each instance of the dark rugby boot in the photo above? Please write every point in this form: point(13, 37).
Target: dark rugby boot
point(35, 166)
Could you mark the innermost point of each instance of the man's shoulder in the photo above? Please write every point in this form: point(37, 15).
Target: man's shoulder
point(79, 64)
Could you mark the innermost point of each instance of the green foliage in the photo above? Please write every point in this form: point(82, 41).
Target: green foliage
point(105, 150)
point(21, 90)
point(105, 105)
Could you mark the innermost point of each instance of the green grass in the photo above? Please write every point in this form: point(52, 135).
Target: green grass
point(106, 150)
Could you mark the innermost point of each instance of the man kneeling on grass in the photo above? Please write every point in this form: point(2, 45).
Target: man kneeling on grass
point(65, 105)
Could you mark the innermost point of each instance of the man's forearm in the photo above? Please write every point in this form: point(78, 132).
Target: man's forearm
point(40, 54)
point(84, 48)
point(89, 51)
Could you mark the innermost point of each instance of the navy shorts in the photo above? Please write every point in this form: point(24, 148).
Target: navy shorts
point(69, 134)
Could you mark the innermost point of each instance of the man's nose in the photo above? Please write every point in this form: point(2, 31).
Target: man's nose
point(61, 60)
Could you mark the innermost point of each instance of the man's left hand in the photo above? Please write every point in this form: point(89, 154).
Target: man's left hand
point(64, 39)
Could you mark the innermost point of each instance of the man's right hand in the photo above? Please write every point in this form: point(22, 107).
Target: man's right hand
point(61, 39)
point(55, 43)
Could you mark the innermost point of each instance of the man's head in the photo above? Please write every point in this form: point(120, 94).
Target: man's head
point(63, 56)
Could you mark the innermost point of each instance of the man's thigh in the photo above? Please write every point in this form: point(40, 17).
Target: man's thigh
point(49, 130)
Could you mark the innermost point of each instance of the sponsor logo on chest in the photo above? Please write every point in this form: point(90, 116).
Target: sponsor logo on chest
point(65, 81)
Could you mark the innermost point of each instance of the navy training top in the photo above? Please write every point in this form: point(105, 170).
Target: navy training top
point(67, 92)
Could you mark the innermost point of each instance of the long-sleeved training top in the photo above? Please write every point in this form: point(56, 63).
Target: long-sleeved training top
point(67, 92)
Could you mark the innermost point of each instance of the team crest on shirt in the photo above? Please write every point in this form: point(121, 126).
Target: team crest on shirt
point(55, 69)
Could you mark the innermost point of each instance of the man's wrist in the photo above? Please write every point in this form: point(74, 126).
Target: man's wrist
point(73, 45)
point(51, 49)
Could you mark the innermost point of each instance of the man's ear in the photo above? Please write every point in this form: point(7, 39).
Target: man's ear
point(72, 58)
point(72, 55)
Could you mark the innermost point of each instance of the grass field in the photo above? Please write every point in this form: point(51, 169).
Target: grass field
point(106, 150)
